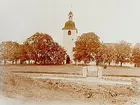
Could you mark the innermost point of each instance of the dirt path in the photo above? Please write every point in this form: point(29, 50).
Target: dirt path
point(87, 80)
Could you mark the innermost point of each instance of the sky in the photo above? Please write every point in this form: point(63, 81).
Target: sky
point(111, 20)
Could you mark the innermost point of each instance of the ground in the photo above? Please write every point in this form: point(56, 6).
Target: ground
point(71, 69)
point(65, 85)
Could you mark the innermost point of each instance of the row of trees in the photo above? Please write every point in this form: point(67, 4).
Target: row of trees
point(42, 49)
point(88, 48)
point(39, 48)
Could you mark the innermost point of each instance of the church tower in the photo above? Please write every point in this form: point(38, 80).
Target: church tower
point(69, 35)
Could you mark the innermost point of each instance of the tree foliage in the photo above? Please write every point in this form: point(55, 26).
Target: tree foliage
point(106, 54)
point(123, 52)
point(43, 50)
point(39, 48)
point(8, 51)
point(136, 54)
point(86, 47)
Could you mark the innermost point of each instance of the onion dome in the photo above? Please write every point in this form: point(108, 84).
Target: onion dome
point(70, 25)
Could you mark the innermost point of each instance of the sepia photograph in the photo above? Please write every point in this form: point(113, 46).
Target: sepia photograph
point(69, 52)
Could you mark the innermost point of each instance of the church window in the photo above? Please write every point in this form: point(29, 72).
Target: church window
point(69, 32)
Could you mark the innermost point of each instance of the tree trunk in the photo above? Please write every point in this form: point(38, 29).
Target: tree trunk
point(76, 62)
point(19, 61)
point(4, 62)
point(97, 63)
point(135, 65)
point(16, 61)
point(44, 60)
point(35, 61)
point(121, 63)
point(109, 63)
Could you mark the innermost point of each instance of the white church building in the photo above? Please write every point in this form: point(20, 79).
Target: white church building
point(69, 35)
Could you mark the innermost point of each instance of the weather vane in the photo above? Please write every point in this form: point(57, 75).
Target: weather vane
point(71, 7)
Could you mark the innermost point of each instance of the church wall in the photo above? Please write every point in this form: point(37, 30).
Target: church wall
point(69, 41)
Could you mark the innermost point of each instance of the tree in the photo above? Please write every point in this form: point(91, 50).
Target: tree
point(4, 51)
point(105, 54)
point(23, 53)
point(123, 52)
point(99, 55)
point(40, 48)
point(86, 47)
point(56, 54)
point(43, 50)
point(136, 54)
point(109, 54)
point(8, 51)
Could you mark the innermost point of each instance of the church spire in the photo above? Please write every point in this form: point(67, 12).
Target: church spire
point(70, 14)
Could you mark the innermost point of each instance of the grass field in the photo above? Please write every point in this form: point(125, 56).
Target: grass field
point(43, 69)
point(69, 69)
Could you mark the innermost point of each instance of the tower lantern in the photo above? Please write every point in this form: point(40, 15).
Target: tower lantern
point(70, 16)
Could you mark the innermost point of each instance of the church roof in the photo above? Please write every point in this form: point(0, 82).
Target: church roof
point(110, 44)
point(69, 25)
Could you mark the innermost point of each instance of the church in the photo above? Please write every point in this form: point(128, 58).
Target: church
point(69, 36)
